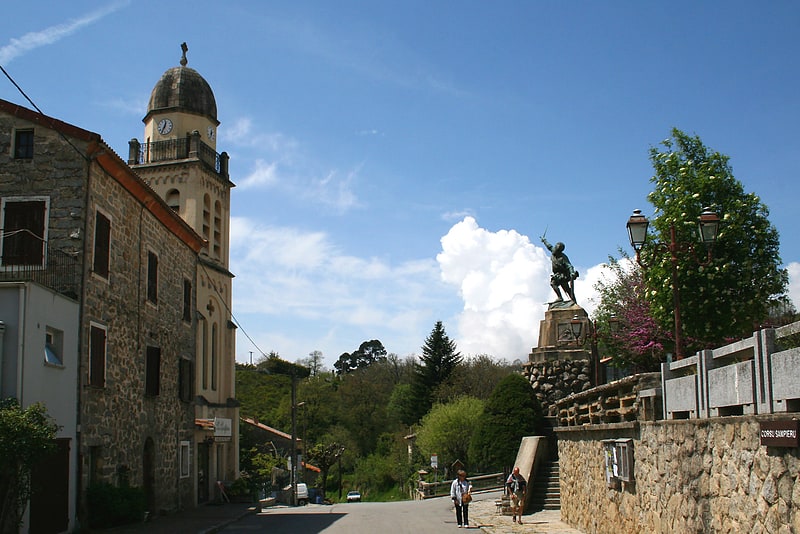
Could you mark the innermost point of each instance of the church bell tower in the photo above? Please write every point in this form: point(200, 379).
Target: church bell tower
point(178, 159)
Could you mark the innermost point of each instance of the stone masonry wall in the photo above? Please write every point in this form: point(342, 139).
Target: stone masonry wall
point(553, 380)
point(708, 475)
point(118, 420)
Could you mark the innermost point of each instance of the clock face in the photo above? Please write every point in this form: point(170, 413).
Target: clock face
point(164, 126)
point(210, 132)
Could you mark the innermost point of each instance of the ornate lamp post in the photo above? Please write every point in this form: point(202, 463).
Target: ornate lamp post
point(591, 334)
point(708, 226)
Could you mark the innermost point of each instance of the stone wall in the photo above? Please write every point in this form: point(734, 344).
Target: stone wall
point(707, 475)
point(553, 380)
point(119, 421)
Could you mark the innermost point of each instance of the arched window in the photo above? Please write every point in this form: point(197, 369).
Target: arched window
point(214, 343)
point(218, 229)
point(204, 348)
point(207, 217)
point(174, 200)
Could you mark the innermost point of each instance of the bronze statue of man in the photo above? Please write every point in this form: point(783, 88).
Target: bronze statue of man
point(564, 274)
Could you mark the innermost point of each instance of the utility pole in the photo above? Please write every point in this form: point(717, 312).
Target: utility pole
point(294, 439)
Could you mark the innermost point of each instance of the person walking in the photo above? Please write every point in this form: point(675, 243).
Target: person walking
point(516, 486)
point(461, 493)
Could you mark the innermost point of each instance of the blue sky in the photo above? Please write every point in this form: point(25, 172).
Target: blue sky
point(396, 162)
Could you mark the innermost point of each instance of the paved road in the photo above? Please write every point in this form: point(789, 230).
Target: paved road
point(413, 517)
point(410, 516)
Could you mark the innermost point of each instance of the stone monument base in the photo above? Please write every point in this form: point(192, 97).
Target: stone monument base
point(556, 341)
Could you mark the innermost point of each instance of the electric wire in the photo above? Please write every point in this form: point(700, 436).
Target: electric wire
point(233, 317)
point(224, 303)
point(50, 119)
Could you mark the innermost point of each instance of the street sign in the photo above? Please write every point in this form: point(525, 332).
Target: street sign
point(781, 433)
point(435, 461)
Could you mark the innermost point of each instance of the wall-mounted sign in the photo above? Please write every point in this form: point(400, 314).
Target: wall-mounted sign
point(222, 429)
point(782, 433)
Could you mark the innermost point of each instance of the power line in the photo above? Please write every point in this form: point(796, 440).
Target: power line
point(233, 317)
point(52, 125)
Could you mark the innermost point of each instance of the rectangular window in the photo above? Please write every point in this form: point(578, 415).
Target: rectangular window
point(187, 301)
point(23, 144)
point(97, 356)
point(53, 346)
point(186, 459)
point(24, 231)
point(152, 383)
point(152, 277)
point(102, 244)
point(185, 379)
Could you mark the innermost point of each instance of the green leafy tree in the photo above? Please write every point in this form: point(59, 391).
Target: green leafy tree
point(448, 428)
point(324, 456)
point(362, 406)
point(368, 353)
point(439, 359)
point(511, 412)
point(26, 435)
point(477, 375)
point(735, 292)
point(402, 405)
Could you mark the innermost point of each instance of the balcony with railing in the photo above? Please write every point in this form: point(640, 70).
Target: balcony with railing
point(189, 147)
point(60, 272)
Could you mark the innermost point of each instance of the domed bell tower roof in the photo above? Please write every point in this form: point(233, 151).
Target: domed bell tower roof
point(182, 89)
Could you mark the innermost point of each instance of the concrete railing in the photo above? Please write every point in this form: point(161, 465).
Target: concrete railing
point(426, 490)
point(757, 375)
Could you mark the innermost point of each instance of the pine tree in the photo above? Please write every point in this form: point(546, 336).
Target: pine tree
point(439, 358)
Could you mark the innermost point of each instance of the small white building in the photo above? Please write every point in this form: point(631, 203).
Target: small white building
point(39, 363)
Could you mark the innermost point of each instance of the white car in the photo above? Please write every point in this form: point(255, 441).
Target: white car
point(353, 496)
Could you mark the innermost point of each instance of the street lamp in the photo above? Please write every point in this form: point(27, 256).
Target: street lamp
point(708, 227)
point(591, 333)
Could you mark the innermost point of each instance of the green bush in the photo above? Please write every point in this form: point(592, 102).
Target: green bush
point(110, 506)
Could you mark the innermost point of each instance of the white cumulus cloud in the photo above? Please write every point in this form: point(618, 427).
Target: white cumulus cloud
point(504, 282)
point(794, 282)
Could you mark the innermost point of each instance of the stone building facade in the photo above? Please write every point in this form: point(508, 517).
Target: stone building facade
point(88, 227)
point(134, 419)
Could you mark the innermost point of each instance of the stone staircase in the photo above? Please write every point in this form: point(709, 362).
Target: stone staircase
point(545, 489)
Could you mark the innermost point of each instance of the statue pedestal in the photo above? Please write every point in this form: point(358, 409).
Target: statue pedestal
point(556, 341)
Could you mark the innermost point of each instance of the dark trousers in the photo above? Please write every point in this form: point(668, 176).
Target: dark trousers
point(462, 511)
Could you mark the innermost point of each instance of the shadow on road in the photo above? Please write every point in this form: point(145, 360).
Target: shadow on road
point(294, 523)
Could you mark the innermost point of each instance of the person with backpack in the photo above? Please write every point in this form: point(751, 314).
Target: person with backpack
point(516, 487)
